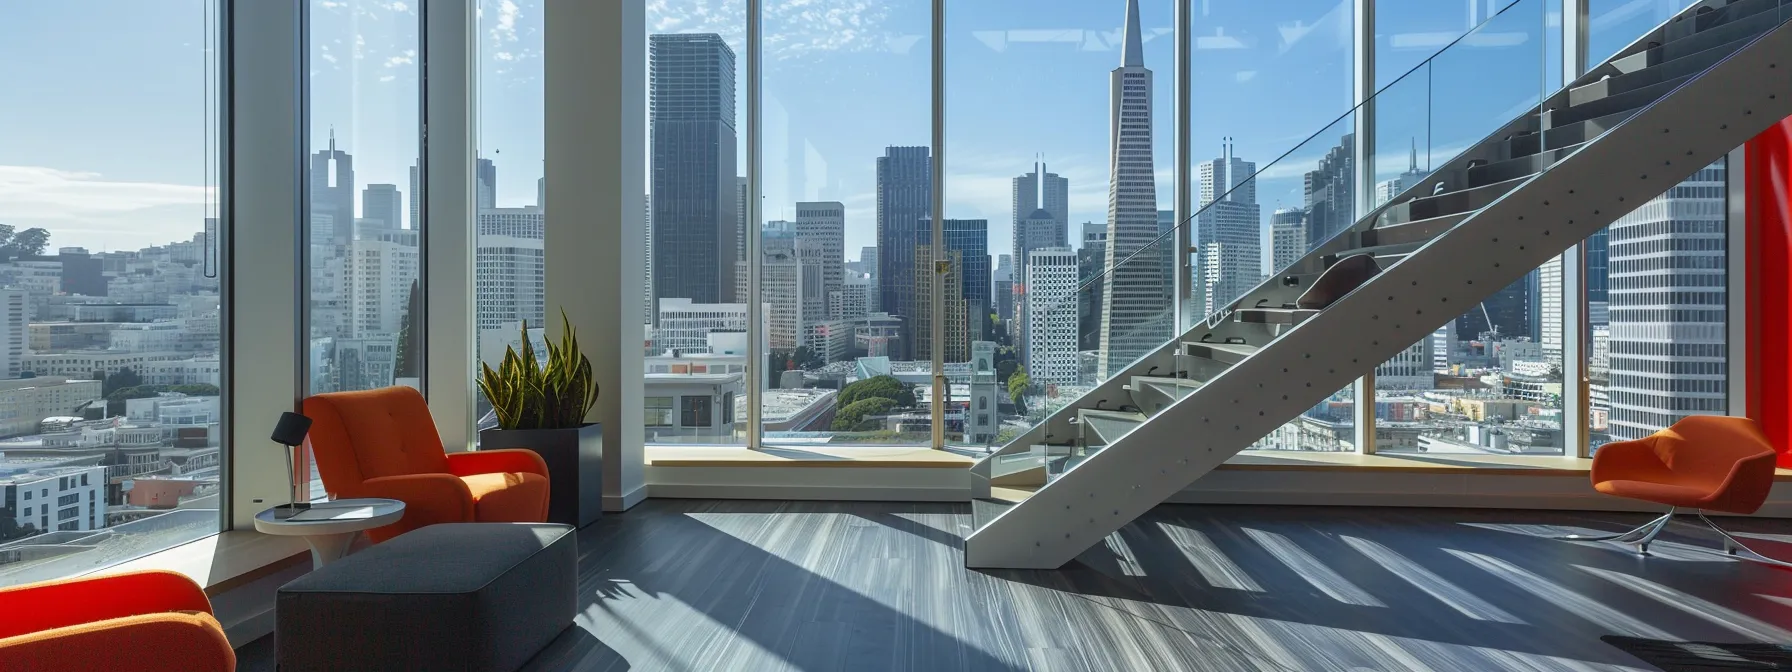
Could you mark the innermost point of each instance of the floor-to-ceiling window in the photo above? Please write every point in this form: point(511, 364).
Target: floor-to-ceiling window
point(846, 180)
point(364, 196)
point(509, 191)
point(110, 312)
point(1656, 282)
point(1059, 127)
point(1490, 380)
point(1273, 142)
point(842, 303)
point(699, 361)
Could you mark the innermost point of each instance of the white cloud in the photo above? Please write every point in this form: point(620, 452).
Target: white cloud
point(793, 28)
point(36, 192)
point(406, 57)
point(505, 28)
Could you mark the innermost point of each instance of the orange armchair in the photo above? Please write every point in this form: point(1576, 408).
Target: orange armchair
point(132, 621)
point(383, 443)
point(1704, 462)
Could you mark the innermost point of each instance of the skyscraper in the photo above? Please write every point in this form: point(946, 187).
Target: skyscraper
point(1230, 258)
point(1002, 288)
point(486, 184)
point(1038, 197)
point(1508, 311)
point(904, 203)
point(1134, 320)
point(1089, 261)
point(823, 225)
point(790, 282)
point(1386, 190)
point(1051, 353)
point(1668, 308)
point(693, 184)
point(1037, 230)
point(868, 260)
point(382, 202)
point(953, 311)
point(333, 191)
point(1330, 193)
point(380, 267)
point(970, 238)
point(510, 284)
point(1287, 237)
point(1549, 309)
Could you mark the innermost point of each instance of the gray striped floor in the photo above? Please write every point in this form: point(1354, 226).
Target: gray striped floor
point(730, 585)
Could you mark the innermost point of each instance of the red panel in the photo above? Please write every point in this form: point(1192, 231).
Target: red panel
point(1769, 348)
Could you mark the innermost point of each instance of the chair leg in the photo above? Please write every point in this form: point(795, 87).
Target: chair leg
point(1643, 534)
point(1732, 545)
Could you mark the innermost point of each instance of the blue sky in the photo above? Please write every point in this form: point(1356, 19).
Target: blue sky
point(109, 152)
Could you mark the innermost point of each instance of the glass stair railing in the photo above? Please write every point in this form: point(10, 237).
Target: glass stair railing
point(1439, 239)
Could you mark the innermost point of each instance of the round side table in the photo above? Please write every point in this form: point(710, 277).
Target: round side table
point(329, 527)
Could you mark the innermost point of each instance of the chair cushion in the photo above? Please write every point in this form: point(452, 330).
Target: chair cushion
point(508, 497)
point(1660, 493)
point(455, 596)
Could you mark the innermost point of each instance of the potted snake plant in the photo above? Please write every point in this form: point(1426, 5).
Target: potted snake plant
point(541, 406)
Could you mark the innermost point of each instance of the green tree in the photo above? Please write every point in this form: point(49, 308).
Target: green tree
point(860, 415)
point(886, 387)
point(118, 380)
point(1018, 384)
point(195, 389)
point(410, 339)
point(25, 243)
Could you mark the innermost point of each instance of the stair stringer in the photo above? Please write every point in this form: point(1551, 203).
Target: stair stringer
point(1640, 159)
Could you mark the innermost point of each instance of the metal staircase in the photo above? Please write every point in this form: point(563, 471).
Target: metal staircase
point(1668, 105)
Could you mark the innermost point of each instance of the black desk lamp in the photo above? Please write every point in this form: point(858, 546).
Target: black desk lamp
point(290, 432)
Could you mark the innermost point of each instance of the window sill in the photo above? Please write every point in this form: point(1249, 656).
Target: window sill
point(815, 457)
point(222, 561)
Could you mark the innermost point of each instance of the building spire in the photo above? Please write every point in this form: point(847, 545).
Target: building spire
point(1133, 54)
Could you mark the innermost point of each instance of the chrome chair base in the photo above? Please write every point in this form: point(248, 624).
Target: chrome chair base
point(1645, 533)
point(1641, 535)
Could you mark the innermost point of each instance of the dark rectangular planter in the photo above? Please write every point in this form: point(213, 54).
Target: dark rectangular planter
point(575, 458)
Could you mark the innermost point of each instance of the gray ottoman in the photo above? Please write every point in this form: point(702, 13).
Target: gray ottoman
point(462, 596)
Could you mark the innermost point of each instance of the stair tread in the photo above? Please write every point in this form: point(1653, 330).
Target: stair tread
point(1273, 315)
point(1655, 73)
point(1423, 229)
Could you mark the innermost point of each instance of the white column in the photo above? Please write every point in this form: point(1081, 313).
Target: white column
point(937, 299)
point(1181, 238)
point(596, 113)
point(449, 67)
point(1362, 94)
point(1576, 347)
point(758, 378)
point(263, 345)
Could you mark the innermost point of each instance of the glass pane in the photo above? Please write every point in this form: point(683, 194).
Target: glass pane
point(1614, 24)
point(1659, 347)
point(845, 274)
point(362, 231)
point(1407, 32)
point(1284, 70)
point(1041, 171)
point(1489, 381)
point(697, 362)
point(509, 266)
point(110, 370)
